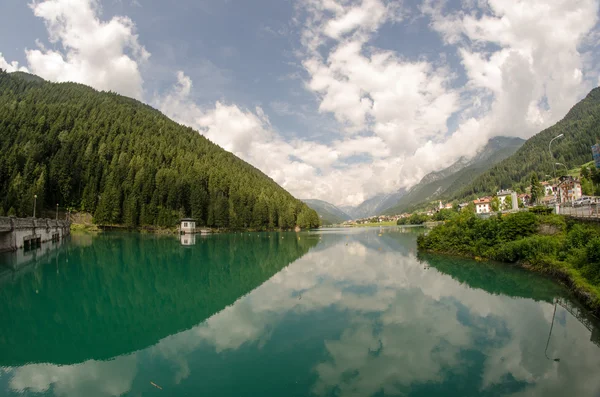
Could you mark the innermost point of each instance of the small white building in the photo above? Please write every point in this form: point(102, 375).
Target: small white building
point(483, 206)
point(502, 195)
point(187, 226)
point(549, 189)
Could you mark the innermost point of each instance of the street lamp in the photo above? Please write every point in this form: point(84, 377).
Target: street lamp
point(34, 203)
point(566, 169)
point(550, 150)
point(56, 211)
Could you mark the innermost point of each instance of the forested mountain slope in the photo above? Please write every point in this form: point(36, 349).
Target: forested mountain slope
point(581, 129)
point(125, 162)
point(329, 213)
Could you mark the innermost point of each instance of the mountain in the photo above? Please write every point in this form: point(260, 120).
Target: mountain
point(329, 213)
point(445, 183)
point(375, 205)
point(126, 163)
point(581, 129)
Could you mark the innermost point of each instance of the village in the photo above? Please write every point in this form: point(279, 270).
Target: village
point(562, 195)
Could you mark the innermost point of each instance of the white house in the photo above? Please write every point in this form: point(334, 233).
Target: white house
point(483, 206)
point(188, 226)
point(549, 189)
point(502, 195)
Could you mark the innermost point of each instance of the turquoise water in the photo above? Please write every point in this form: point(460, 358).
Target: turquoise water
point(348, 312)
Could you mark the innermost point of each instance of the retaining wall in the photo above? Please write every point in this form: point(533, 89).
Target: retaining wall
point(16, 233)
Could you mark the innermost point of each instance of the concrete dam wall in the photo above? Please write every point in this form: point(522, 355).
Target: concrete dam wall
point(26, 233)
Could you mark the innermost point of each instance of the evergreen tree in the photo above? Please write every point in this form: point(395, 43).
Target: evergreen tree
point(537, 191)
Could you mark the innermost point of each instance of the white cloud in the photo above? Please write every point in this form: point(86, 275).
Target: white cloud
point(305, 168)
point(525, 55)
point(104, 55)
point(11, 66)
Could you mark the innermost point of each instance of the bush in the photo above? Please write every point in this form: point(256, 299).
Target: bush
point(519, 225)
point(591, 270)
point(541, 210)
point(444, 215)
point(529, 249)
point(554, 220)
point(579, 236)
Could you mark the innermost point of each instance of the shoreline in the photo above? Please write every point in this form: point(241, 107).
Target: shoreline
point(93, 228)
point(584, 294)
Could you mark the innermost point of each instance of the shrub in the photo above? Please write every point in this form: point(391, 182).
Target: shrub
point(579, 236)
point(519, 225)
point(541, 210)
point(528, 249)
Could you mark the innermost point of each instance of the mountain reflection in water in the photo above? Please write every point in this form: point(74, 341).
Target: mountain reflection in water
point(329, 313)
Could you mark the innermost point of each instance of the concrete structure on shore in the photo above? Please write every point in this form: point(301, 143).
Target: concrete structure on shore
point(26, 233)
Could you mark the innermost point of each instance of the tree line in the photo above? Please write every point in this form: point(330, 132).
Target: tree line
point(125, 163)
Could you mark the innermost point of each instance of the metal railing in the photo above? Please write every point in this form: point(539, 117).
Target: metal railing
point(583, 211)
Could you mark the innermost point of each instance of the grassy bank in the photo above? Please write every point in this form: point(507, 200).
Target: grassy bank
point(550, 244)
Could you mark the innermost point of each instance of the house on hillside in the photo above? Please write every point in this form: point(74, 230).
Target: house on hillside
point(483, 205)
point(448, 206)
point(549, 189)
point(502, 195)
point(525, 198)
point(569, 189)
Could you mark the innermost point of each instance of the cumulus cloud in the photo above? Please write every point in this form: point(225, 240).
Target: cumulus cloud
point(104, 55)
point(11, 66)
point(305, 168)
point(525, 56)
point(523, 62)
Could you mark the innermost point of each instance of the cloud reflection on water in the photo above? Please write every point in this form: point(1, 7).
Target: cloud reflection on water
point(405, 326)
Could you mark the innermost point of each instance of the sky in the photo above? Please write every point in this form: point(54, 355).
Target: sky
point(337, 100)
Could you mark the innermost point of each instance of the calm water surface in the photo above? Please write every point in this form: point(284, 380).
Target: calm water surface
point(329, 313)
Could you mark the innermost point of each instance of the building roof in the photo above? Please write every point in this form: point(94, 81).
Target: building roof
point(482, 201)
point(504, 192)
point(188, 220)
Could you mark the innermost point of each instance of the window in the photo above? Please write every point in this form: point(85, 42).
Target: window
point(185, 224)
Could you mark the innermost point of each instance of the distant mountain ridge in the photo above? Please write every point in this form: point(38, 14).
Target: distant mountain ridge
point(444, 183)
point(328, 213)
point(374, 205)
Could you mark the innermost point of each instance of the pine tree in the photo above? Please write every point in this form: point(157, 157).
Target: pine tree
point(536, 189)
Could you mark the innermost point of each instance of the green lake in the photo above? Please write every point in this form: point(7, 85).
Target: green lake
point(336, 312)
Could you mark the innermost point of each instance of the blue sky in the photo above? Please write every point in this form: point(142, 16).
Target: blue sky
point(334, 99)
